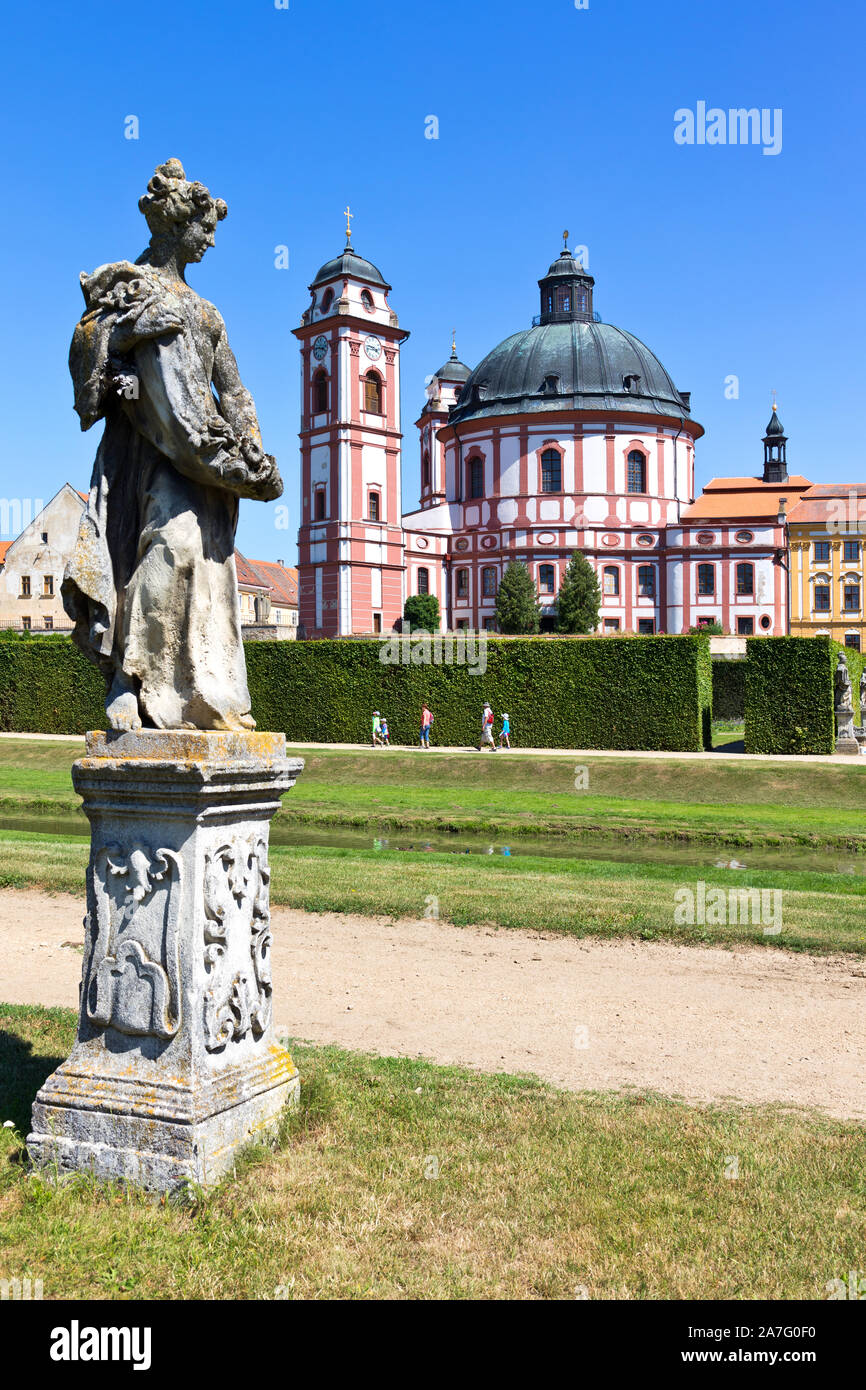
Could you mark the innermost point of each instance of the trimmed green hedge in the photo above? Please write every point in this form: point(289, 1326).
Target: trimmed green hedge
point(629, 692)
point(648, 692)
point(47, 686)
point(729, 689)
point(789, 695)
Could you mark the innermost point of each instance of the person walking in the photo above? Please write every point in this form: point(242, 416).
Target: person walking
point(426, 722)
point(384, 734)
point(487, 729)
point(505, 731)
point(377, 729)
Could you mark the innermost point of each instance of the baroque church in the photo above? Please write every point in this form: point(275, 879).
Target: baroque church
point(569, 435)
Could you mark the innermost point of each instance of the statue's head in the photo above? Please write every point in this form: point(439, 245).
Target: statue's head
point(180, 213)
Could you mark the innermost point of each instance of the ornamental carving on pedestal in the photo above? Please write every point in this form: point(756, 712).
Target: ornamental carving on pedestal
point(131, 980)
point(236, 903)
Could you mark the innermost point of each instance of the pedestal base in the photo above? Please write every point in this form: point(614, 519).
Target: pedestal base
point(174, 1067)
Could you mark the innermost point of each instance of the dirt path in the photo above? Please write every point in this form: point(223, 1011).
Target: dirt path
point(701, 1023)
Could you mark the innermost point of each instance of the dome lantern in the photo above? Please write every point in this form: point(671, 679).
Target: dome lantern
point(566, 291)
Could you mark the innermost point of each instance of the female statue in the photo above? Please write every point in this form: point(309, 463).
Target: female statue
point(151, 585)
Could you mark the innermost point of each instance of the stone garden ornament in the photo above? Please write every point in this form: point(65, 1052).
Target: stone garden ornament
point(175, 1066)
point(151, 586)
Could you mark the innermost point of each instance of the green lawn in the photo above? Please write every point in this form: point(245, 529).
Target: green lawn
point(401, 1179)
point(724, 802)
point(580, 897)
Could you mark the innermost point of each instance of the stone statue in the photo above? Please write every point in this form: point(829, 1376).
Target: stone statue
point(842, 685)
point(863, 694)
point(151, 585)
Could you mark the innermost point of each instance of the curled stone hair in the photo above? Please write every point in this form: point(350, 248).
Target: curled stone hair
point(171, 200)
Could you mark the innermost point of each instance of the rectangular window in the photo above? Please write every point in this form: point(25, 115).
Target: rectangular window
point(646, 581)
point(462, 583)
point(551, 471)
point(851, 551)
point(377, 622)
point(852, 639)
point(476, 478)
point(822, 552)
point(707, 580)
point(611, 624)
point(489, 624)
point(26, 624)
point(423, 581)
point(745, 627)
point(462, 624)
point(49, 624)
point(374, 506)
point(705, 620)
point(822, 598)
point(745, 579)
point(647, 626)
point(546, 579)
point(488, 582)
point(44, 537)
point(48, 586)
point(611, 581)
point(25, 586)
point(852, 598)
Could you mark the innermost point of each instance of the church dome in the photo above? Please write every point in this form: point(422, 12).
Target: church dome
point(575, 365)
point(569, 360)
point(350, 264)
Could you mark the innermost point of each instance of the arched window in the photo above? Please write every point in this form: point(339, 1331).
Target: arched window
point(551, 471)
point(373, 393)
point(707, 580)
point(425, 471)
point(611, 581)
point(320, 504)
point(367, 301)
point(423, 581)
point(547, 579)
point(636, 471)
point(745, 578)
point(320, 392)
point(327, 300)
point(462, 583)
point(646, 581)
point(374, 506)
point(488, 581)
point(475, 469)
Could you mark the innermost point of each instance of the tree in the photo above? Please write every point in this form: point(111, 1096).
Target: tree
point(421, 612)
point(517, 601)
point(579, 598)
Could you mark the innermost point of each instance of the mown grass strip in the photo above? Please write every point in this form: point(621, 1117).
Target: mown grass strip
point(401, 1179)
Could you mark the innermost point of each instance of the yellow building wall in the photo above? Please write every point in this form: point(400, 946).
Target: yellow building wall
point(805, 621)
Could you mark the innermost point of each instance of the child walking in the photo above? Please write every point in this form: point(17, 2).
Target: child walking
point(505, 731)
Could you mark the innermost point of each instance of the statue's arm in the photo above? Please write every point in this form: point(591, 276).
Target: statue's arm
point(176, 411)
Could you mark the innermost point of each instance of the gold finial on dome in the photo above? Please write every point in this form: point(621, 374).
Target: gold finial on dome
point(774, 401)
point(565, 239)
point(348, 216)
point(453, 342)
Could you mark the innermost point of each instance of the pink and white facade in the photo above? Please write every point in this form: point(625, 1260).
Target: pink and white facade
point(568, 436)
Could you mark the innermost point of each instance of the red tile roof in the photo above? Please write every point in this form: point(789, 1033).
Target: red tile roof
point(4, 546)
point(739, 498)
point(268, 576)
point(821, 504)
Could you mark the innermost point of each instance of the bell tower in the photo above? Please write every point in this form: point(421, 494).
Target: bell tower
point(350, 541)
point(775, 450)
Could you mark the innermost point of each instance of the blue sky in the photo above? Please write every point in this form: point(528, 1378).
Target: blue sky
point(724, 260)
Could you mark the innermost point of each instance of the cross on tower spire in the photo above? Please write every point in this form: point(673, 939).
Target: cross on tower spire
point(349, 215)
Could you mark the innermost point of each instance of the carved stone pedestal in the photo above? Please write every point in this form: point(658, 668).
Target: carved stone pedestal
point(174, 1066)
point(845, 739)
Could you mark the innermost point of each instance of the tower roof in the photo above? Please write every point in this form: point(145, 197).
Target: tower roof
point(349, 263)
point(454, 369)
point(775, 429)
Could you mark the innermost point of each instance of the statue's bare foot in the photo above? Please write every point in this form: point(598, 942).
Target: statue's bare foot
point(122, 711)
point(234, 723)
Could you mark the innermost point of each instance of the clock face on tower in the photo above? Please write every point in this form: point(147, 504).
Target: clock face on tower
point(320, 348)
point(372, 347)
